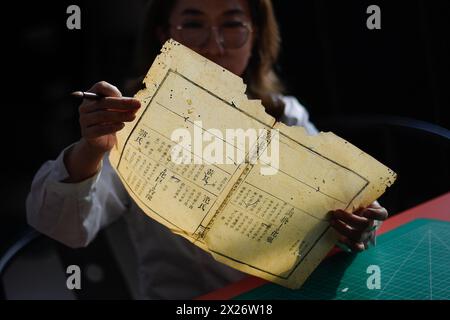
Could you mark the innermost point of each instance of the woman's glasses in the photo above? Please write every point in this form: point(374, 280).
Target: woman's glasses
point(231, 35)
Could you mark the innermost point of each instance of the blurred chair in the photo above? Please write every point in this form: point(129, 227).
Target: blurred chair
point(34, 267)
point(418, 151)
point(8, 256)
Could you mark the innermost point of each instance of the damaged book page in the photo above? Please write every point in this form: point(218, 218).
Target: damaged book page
point(213, 167)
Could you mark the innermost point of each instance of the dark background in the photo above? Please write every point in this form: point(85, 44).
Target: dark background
point(330, 61)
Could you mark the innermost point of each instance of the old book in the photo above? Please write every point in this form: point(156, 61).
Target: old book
point(213, 167)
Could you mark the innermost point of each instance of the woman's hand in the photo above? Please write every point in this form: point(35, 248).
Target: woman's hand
point(358, 229)
point(101, 119)
point(99, 122)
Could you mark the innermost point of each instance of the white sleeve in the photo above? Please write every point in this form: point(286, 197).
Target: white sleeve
point(296, 115)
point(73, 213)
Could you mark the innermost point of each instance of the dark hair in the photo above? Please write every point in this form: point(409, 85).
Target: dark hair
point(260, 77)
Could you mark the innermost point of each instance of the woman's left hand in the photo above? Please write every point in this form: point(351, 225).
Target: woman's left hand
point(358, 229)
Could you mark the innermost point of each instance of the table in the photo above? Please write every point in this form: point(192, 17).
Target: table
point(412, 253)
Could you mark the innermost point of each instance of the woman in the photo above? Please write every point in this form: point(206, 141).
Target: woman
point(73, 197)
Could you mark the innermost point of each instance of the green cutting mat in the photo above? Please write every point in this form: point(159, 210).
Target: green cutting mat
point(414, 262)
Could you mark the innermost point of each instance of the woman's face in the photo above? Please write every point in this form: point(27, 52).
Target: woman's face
point(219, 30)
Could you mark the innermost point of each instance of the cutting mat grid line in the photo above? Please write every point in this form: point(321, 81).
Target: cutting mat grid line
point(414, 261)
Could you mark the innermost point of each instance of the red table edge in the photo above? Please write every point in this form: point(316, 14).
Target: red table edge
point(437, 208)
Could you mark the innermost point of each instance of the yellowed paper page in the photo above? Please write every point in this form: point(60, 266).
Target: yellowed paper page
point(276, 226)
point(269, 223)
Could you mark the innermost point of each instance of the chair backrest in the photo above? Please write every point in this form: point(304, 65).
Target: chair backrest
point(25, 238)
point(35, 267)
point(418, 151)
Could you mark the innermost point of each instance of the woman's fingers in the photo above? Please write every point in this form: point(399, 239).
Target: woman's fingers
point(357, 228)
point(102, 130)
point(102, 88)
point(105, 116)
point(110, 103)
point(354, 246)
point(113, 100)
point(105, 89)
point(356, 235)
point(374, 212)
point(101, 117)
point(353, 220)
